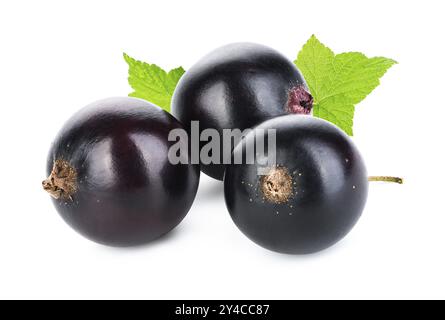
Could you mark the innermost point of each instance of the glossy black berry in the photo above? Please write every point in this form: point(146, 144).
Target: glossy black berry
point(110, 176)
point(236, 87)
point(313, 195)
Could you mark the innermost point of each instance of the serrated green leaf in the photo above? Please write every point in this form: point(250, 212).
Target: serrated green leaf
point(339, 82)
point(151, 82)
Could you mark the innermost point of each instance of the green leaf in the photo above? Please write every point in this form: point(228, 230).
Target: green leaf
point(339, 82)
point(151, 82)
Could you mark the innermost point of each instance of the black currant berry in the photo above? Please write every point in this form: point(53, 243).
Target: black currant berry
point(236, 87)
point(313, 195)
point(110, 176)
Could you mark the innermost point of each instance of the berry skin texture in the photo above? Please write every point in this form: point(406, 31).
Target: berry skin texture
point(109, 175)
point(310, 199)
point(237, 87)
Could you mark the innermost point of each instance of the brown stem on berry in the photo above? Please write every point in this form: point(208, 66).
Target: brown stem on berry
point(276, 185)
point(61, 183)
point(386, 179)
point(299, 100)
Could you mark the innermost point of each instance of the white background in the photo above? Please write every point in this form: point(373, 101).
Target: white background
point(57, 56)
